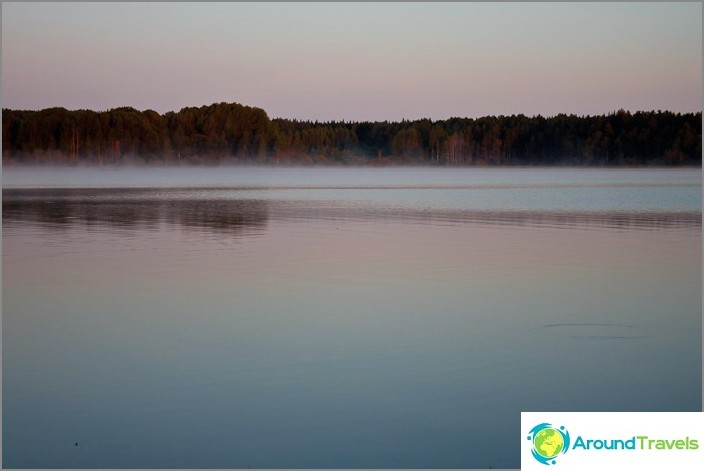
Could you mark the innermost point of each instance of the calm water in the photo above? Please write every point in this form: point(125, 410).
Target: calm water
point(338, 318)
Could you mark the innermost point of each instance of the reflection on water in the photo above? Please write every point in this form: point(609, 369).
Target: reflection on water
point(217, 211)
point(230, 328)
point(131, 210)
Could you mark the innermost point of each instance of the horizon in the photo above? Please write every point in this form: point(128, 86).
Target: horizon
point(356, 62)
point(534, 116)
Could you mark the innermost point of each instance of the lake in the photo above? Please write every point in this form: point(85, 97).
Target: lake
point(338, 317)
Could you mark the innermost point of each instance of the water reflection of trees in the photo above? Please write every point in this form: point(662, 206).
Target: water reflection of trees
point(608, 220)
point(132, 209)
point(197, 210)
point(626, 220)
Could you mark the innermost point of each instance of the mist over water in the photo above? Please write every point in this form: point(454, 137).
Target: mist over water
point(243, 176)
point(341, 318)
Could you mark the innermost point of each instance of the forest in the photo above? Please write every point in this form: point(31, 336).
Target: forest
point(234, 133)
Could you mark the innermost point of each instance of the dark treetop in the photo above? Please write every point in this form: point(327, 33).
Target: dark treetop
point(234, 133)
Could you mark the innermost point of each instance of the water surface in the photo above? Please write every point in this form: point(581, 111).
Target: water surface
point(338, 318)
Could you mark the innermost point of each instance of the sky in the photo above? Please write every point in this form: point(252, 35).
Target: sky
point(355, 61)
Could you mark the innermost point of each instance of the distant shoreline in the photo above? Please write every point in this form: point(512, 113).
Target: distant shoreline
point(15, 164)
point(231, 133)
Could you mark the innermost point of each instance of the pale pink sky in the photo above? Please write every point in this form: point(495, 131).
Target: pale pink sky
point(359, 61)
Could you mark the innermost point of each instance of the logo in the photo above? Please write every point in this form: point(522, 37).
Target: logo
point(613, 440)
point(548, 442)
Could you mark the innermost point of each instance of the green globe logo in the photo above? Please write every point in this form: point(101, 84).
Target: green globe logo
point(548, 442)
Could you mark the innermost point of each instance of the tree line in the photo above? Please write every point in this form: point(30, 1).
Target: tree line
point(235, 133)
